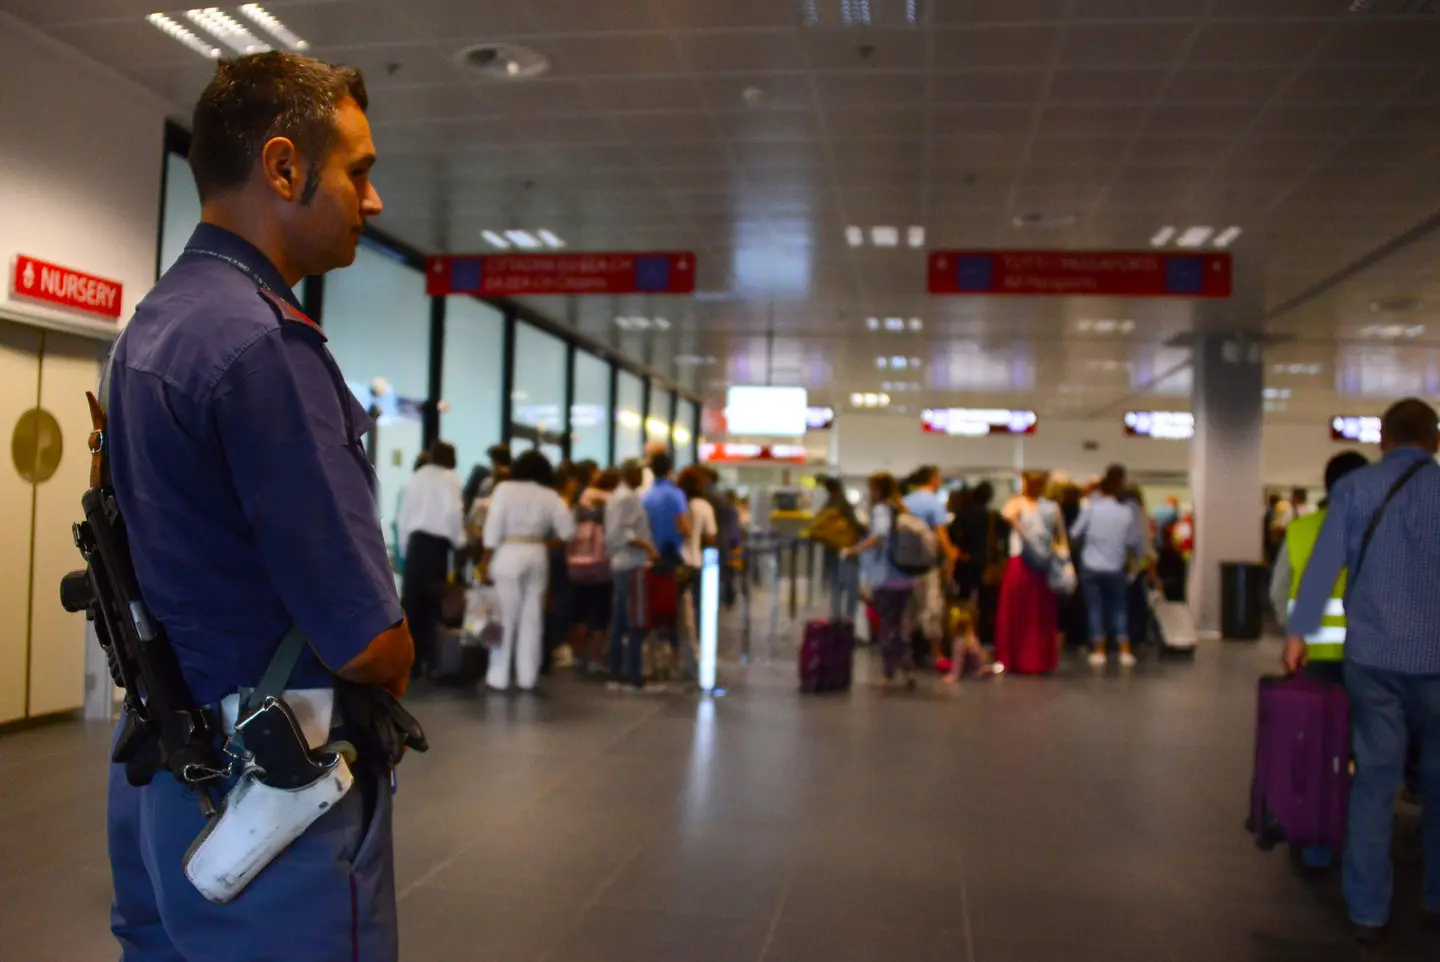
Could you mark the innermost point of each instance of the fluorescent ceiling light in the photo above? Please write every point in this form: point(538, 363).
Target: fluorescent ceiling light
point(894, 323)
point(916, 236)
point(184, 35)
point(899, 363)
point(873, 323)
point(1227, 237)
point(914, 362)
point(884, 236)
point(550, 239)
point(854, 236)
point(266, 21)
point(916, 324)
point(495, 240)
point(1162, 237)
point(857, 399)
point(882, 363)
point(225, 28)
point(661, 323)
point(1276, 394)
point(1194, 236)
point(523, 239)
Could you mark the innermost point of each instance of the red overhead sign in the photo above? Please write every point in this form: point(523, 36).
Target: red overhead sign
point(67, 287)
point(1079, 273)
point(502, 275)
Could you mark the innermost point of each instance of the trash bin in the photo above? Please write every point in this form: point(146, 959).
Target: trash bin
point(1242, 600)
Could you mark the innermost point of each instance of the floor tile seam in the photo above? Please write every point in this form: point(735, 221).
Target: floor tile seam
point(594, 900)
point(779, 913)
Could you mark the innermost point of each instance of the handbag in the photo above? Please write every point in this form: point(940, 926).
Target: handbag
point(1062, 577)
point(482, 617)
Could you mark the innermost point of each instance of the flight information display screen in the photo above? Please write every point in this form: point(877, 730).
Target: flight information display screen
point(977, 422)
point(1365, 430)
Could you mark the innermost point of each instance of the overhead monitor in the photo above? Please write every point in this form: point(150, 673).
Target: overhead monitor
point(819, 419)
point(778, 412)
point(1365, 430)
point(1169, 425)
point(977, 422)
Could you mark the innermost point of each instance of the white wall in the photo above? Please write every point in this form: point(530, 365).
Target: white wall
point(1293, 454)
point(80, 163)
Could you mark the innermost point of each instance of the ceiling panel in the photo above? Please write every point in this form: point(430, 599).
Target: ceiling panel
point(732, 129)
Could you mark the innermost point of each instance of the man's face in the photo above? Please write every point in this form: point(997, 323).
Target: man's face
point(326, 231)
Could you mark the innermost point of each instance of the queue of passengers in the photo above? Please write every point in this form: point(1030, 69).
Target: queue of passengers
point(1005, 581)
point(586, 563)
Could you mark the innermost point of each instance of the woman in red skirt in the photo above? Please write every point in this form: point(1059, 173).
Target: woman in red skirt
point(1027, 626)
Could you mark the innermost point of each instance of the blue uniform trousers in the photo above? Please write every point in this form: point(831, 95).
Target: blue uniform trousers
point(329, 897)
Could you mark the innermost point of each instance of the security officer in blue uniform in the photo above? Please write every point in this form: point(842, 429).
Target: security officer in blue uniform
point(237, 459)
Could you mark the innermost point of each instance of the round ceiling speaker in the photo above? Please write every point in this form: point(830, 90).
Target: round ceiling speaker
point(503, 61)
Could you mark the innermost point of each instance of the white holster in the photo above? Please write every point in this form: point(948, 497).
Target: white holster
point(257, 824)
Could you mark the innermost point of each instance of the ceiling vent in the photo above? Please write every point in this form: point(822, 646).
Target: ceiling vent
point(502, 61)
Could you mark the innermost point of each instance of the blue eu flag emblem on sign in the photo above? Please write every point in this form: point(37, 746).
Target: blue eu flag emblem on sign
point(975, 273)
point(1184, 275)
point(652, 273)
point(465, 276)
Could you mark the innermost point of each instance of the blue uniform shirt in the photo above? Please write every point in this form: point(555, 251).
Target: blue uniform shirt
point(927, 506)
point(1392, 610)
point(237, 458)
point(664, 504)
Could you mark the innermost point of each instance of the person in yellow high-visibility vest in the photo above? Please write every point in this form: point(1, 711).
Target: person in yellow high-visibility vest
point(1324, 652)
point(1325, 649)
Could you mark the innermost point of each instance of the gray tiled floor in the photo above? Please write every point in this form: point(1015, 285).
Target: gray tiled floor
point(1081, 817)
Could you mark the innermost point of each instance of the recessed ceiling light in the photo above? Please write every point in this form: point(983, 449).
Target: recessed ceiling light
point(915, 236)
point(1276, 394)
point(184, 35)
point(914, 362)
point(884, 236)
point(916, 324)
point(550, 239)
point(1227, 237)
point(523, 239)
point(266, 21)
point(662, 324)
point(503, 61)
point(1162, 237)
point(873, 323)
point(225, 28)
point(854, 236)
point(857, 399)
point(694, 360)
point(894, 323)
point(1194, 236)
point(882, 363)
point(899, 363)
point(495, 240)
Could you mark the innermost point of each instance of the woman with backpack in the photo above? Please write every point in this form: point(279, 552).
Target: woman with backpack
point(1027, 628)
point(588, 566)
point(890, 588)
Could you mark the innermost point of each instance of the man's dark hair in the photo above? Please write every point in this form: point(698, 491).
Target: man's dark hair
point(925, 474)
point(1341, 465)
point(1113, 483)
point(662, 464)
point(258, 97)
point(442, 454)
point(1409, 422)
point(499, 454)
point(983, 494)
point(533, 466)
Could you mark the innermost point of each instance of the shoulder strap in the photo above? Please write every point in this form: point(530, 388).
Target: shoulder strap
point(282, 666)
point(1400, 482)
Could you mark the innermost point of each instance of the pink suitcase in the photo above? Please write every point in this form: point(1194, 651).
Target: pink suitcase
point(1301, 790)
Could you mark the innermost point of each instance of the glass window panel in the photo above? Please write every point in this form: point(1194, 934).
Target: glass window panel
point(657, 422)
point(538, 398)
point(629, 399)
point(684, 434)
point(471, 380)
point(590, 414)
point(182, 209)
point(377, 320)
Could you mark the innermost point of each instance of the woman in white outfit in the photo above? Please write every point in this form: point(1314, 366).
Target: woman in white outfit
point(525, 515)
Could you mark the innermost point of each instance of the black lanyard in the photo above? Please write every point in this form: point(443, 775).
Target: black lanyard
point(240, 266)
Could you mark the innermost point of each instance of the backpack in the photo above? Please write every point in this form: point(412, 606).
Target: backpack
point(913, 548)
point(832, 529)
point(585, 556)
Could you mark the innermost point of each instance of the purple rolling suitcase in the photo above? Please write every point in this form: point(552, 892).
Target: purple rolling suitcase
point(1301, 790)
point(827, 656)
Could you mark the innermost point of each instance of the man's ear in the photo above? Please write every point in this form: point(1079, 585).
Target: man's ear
point(283, 168)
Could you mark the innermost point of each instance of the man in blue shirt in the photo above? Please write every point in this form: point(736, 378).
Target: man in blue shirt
point(238, 461)
point(668, 511)
point(927, 603)
point(1392, 646)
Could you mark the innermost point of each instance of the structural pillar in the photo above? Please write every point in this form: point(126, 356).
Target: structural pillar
point(1225, 480)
